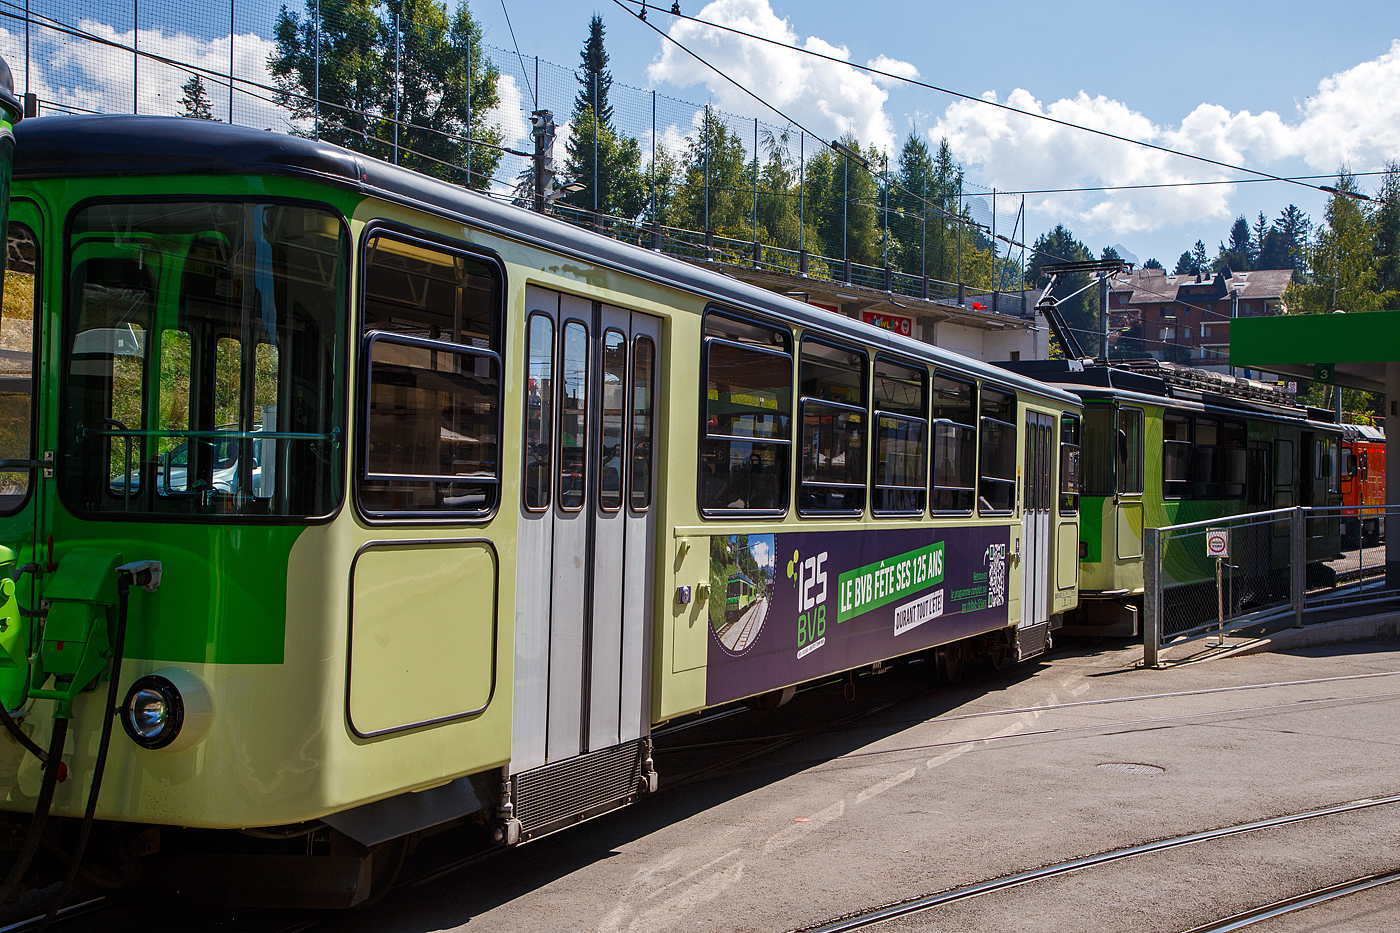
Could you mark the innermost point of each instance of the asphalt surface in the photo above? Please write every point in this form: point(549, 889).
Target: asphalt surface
point(909, 789)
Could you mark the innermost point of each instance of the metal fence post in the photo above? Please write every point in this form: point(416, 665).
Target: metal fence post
point(1298, 551)
point(1151, 598)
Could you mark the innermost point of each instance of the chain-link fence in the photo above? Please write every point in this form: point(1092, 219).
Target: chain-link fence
point(418, 84)
point(1206, 577)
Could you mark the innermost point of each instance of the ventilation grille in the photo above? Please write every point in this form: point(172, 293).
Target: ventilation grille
point(1030, 640)
point(572, 790)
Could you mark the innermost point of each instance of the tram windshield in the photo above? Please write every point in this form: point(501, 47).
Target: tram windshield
point(202, 360)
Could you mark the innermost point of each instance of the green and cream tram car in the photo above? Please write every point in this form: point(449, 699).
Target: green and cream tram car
point(423, 502)
point(1166, 445)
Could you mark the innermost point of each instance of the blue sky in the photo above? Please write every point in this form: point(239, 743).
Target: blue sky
point(1283, 87)
point(1203, 76)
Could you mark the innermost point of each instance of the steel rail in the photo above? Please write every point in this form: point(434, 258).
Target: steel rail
point(1297, 902)
point(888, 912)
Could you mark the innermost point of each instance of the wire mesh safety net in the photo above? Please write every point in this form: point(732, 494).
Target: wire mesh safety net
point(417, 83)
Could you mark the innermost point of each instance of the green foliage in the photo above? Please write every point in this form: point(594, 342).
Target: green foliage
point(195, 102)
point(1387, 222)
point(433, 79)
point(1081, 312)
point(1240, 255)
point(1152, 264)
point(1185, 265)
point(1341, 259)
point(1199, 259)
point(605, 162)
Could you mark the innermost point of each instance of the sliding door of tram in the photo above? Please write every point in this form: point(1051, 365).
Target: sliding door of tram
point(587, 529)
point(1036, 559)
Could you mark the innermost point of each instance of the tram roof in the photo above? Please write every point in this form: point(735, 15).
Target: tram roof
point(1172, 386)
point(129, 145)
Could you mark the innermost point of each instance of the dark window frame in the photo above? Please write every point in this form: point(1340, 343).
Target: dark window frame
point(558, 478)
point(1016, 433)
point(876, 413)
point(525, 427)
point(426, 239)
point(631, 492)
point(345, 334)
point(799, 426)
point(625, 412)
point(35, 392)
point(1067, 501)
point(785, 349)
point(934, 421)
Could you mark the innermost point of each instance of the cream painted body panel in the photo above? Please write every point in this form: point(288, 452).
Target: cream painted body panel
point(281, 749)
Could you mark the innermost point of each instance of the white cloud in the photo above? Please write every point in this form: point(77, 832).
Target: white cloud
point(1353, 118)
point(762, 553)
point(829, 97)
point(891, 66)
point(82, 75)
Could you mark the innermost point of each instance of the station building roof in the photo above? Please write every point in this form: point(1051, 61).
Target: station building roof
point(1357, 345)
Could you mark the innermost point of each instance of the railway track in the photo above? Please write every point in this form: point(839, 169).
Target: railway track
point(889, 912)
point(770, 743)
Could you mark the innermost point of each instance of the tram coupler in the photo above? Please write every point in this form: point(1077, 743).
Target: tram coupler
point(76, 647)
point(505, 828)
point(649, 779)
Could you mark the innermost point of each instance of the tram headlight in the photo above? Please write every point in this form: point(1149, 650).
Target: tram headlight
point(169, 709)
point(154, 712)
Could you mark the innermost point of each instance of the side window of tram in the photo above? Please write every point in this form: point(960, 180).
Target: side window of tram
point(746, 450)
point(1221, 463)
point(1176, 455)
point(16, 362)
point(539, 411)
point(1130, 451)
point(954, 479)
point(1099, 450)
point(1069, 464)
point(198, 330)
point(901, 439)
point(643, 407)
point(997, 482)
point(432, 335)
point(610, 452)
point(833, 429)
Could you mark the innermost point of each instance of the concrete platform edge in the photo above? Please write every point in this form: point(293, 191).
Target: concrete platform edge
point(1384, 625)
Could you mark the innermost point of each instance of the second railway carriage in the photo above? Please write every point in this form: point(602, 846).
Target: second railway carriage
point(1363, 484)
point(446, 499)
point(1166, 445)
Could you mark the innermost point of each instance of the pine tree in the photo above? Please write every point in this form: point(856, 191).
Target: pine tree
point(1185, 265)
point(1295, 228)
point(1080, 312)
point(1387, 220)
point(1152, 264)
point(196, 100)
point(1199, 260)
point(617, 186)
point(1342, 272)
point(1240, 254)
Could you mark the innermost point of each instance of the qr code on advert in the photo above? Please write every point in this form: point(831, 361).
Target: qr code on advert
point(996, 575)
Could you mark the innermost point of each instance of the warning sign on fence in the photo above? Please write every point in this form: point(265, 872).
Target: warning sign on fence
point(1217, 542)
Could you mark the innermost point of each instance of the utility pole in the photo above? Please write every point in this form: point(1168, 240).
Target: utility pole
point(1103, 314)
point(542, 129)
point(1234, 312)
